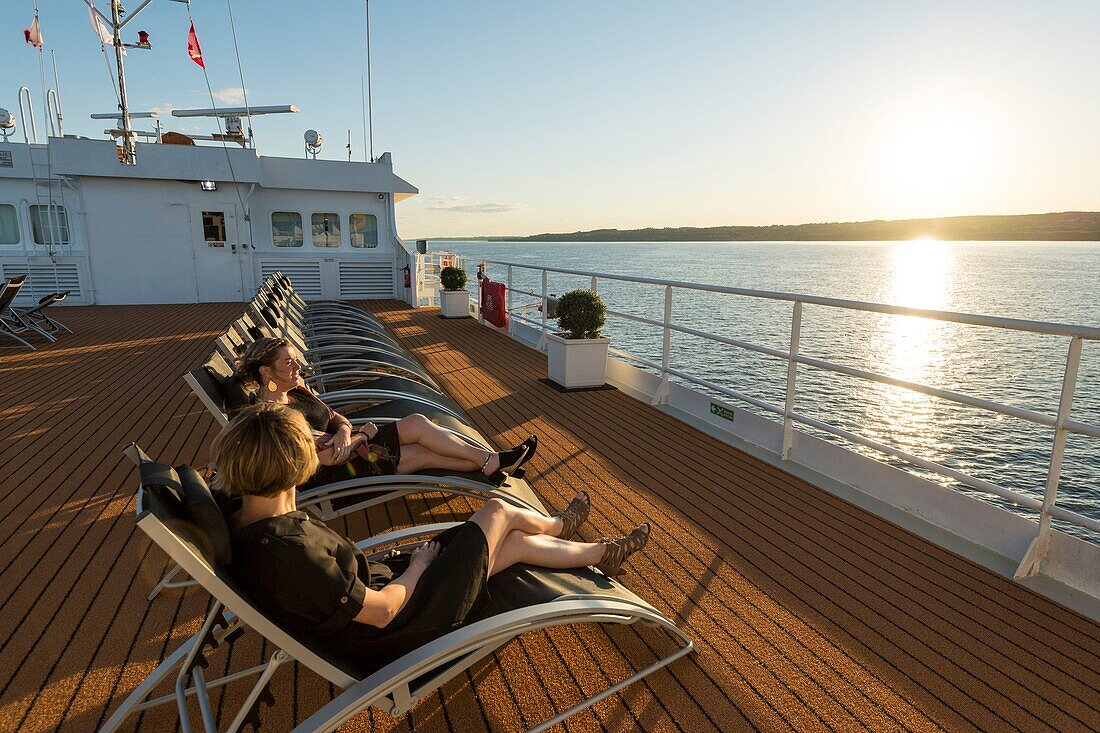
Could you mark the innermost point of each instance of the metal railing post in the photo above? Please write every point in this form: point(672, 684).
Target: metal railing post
point(1040, 546)
point(593, 288)
point(545, 306)
point(480, 271)
point(792, 373)
point(508, 300)
point(660, 397)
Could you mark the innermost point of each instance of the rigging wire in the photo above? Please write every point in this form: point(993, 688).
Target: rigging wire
point(240, 70)
point(221, 132)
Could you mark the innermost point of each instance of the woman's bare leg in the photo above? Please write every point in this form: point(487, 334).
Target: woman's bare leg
point(415, 457)
point(544, 551)
point(497, 518)
point(417, 429)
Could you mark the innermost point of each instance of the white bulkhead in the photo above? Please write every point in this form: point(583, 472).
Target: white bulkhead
point(196, 224)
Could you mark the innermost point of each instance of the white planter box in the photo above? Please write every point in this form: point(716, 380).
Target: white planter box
point(576, 363)
point(454, 303)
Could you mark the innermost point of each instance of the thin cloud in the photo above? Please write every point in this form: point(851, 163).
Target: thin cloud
point(230, 95)
point(454, 204)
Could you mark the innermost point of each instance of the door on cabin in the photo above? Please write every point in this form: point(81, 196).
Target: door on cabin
point(219, 252)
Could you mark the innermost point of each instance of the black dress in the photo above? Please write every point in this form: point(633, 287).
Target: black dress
point(312, 581)
point(379, 457)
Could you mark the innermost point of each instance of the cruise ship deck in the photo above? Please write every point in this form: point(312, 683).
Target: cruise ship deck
point(809, 613)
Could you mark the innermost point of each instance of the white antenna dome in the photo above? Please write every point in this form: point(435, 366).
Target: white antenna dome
point(7, 120)
point(314, 142)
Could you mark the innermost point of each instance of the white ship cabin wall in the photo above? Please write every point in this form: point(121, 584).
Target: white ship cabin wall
point(47, 243)
point(159, 232)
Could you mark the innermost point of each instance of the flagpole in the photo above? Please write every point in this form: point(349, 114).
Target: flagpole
point(129, 149)
point(370, 103)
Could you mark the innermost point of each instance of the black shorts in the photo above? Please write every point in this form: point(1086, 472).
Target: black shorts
point(386, 446)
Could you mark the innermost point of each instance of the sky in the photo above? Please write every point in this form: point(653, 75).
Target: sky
point(516, 117)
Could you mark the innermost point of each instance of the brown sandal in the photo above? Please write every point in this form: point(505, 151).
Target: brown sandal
point(617, 550)
point(574, 515)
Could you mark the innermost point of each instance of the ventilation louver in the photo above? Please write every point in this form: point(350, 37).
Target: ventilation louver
point(306, 276)
point(366, 280)
point(46, 279)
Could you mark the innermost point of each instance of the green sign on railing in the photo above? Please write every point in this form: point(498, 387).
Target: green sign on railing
point(721, 411)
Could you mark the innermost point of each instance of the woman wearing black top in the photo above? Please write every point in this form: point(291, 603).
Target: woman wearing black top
point(411, 444)
point(310, 579)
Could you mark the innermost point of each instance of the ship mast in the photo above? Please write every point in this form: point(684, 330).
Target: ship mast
point(129, 140)
point(129, 145)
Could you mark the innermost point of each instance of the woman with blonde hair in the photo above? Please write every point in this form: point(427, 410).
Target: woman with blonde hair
point(312, 580)
point(273, 368)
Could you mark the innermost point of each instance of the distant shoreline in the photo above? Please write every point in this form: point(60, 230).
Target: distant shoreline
point(1069, 226)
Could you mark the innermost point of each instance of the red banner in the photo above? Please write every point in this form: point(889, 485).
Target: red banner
point(194, 51)
point(493, 304)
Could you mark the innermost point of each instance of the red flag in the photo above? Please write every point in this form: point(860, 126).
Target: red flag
point(193, 50)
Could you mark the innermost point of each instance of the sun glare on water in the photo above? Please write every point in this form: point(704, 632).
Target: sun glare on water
point(910, 348)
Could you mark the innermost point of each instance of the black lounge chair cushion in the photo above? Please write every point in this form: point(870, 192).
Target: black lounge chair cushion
point(158, 474)
point(53, 297)
point(180, 499)
point(225, 391)
point(235, 395)
point(207, 515)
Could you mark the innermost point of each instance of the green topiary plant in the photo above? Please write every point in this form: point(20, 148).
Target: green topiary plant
point(453, 278)
point(581, 313)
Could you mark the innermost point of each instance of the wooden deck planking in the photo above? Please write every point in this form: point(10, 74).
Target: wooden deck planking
point(810, 614)
point(888, 585)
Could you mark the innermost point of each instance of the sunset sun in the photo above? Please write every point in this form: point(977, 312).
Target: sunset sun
point(937, 152)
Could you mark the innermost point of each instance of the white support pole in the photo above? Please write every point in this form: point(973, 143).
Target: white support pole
point(1040, 546)
point(593, 284)
point(660, 397)
point(545, 306)
point(508, 300)
point(792, 373)
point(481, 271)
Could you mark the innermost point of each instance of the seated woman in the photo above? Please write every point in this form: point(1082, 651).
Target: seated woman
point(411, 444)
point(311, 580)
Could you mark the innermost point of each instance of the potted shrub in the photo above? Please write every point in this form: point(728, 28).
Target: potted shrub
point(454, 301)
point(578, 356)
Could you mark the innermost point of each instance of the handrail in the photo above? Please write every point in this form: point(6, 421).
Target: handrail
point(1061, 423)
point(971, 319)
point(30, 132)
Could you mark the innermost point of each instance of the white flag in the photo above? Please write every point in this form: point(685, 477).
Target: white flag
point(33, 35)
point(97, 25)
point(105, 36)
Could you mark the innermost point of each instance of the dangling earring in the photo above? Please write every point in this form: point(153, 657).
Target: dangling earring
point(271, 386)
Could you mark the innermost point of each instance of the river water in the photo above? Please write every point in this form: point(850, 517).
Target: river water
point(1045, 281)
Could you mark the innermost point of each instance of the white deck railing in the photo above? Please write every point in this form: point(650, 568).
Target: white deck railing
point(1061, 423)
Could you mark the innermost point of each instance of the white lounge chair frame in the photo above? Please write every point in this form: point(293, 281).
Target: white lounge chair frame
point(390, 688)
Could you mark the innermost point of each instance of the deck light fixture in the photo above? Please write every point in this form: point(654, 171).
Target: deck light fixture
point(208, 185)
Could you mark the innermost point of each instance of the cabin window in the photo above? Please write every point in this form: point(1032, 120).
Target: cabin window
point(9, 225)
point(286, 229)
point(49, 224)
point(213, 226)
point(326, 230)
point(364, 230)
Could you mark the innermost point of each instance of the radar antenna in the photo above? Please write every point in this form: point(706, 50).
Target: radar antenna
point(314, 142)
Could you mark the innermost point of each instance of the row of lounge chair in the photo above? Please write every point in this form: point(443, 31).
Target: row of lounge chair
point(15, 323)
point(361, 370)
